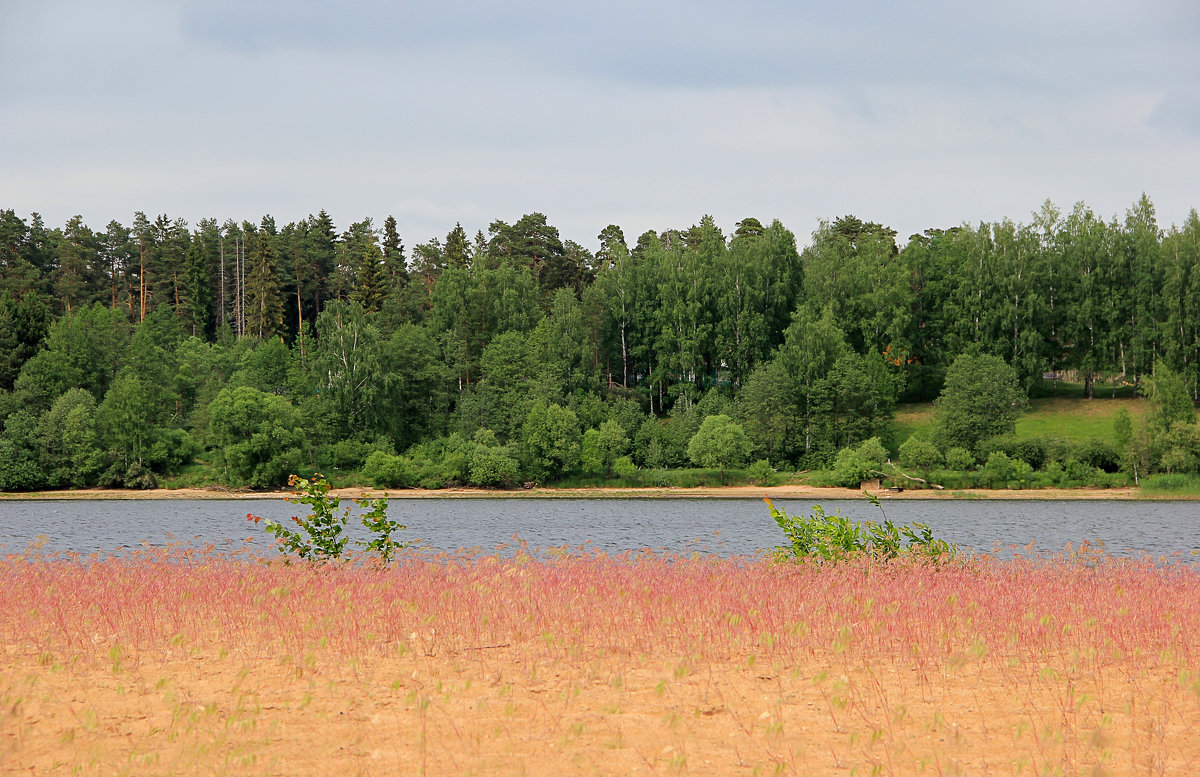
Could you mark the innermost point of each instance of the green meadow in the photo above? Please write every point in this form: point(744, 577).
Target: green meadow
point(1068, 418)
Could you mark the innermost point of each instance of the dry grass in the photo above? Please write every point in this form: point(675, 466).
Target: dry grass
point(187, 662)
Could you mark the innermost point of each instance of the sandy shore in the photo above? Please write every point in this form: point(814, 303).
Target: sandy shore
point(724, 492)
point(650, 715)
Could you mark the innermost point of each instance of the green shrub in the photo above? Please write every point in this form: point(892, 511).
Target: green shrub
point(679, 478)
point(132, 475)
point(854, 465)
point(658, 478)
point(959, 459)
point(1058, 449)
point(1031, 450)
point(719, 444)
point(1118, 479)
point(920, 453)
point(453, 463)
point(1077, 473)
point(259, 436)
point(348, 454)
point(600, 448)
point(430, 480)
point(388, 471)
point(625, 468)
point(851, 468)
point(831, 538)
point(822, 478)
point(591, 460)
point(761, 473)
point(1098, 453)
point(441, 460)
point(550, 442)
point(171, 450)
point(1051, 477)
point(1002, 471)
point(981, 398)
point(489, 464)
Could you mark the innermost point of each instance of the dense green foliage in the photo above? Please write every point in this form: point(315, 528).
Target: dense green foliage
point(825, 538)
point(242, 351)
point(719, 444)
point(981, 398)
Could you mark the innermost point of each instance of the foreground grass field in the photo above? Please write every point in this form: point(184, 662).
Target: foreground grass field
point(186, 662)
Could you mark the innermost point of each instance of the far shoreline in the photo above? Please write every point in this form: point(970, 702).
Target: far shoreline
point(704, 492)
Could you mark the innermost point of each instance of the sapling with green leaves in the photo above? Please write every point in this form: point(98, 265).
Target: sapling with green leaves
point(321, 537)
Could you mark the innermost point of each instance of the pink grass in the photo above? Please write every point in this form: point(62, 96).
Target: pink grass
point(1068, 665)
point(1102, 613)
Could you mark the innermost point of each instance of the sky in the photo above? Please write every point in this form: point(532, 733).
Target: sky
point(912, 113)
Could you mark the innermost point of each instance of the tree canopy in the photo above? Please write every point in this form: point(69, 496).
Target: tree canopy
point(982, 398)
point(129, 351)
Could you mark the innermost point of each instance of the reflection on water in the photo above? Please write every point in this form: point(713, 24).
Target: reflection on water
point(722, 526)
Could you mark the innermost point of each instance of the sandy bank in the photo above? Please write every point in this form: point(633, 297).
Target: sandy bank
point(725, 492)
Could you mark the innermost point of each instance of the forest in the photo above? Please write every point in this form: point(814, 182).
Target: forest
point(239, 352)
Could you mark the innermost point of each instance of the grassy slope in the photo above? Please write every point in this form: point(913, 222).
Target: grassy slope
point(1076, 419)
point(1070, 419)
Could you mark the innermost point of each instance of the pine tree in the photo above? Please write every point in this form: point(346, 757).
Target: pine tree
point(231, 277)
point(164, 267)
point(143, 234)
point(533, 243)
point(18, 276)
point(117, 255)
point(457, 252)
point(196, 288)
point(612, 247)
point(396, 267)
point(362, 253)
point(264, 308)
point(78, 258)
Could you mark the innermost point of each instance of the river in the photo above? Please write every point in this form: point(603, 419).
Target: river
point(726, 527)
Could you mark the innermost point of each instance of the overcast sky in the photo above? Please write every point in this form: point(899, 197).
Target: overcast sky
point(644, 114)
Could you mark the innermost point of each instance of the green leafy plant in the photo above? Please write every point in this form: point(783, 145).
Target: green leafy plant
point(321, 536)
point(761, 473)
point(832, 538)
point(854, 465)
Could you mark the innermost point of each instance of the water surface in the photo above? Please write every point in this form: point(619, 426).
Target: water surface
point(720, 526)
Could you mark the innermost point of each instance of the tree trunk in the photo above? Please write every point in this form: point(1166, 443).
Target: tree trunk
point(299, 321)
point(142, 287)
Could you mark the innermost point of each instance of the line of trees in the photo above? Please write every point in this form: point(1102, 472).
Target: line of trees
point(128, 352)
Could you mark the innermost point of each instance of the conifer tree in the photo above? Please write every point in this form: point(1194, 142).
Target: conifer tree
point(78, 259)
point(117, 256)
point(264, 308)
point(457, 251)
point(396, 266)
point(362, 253)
